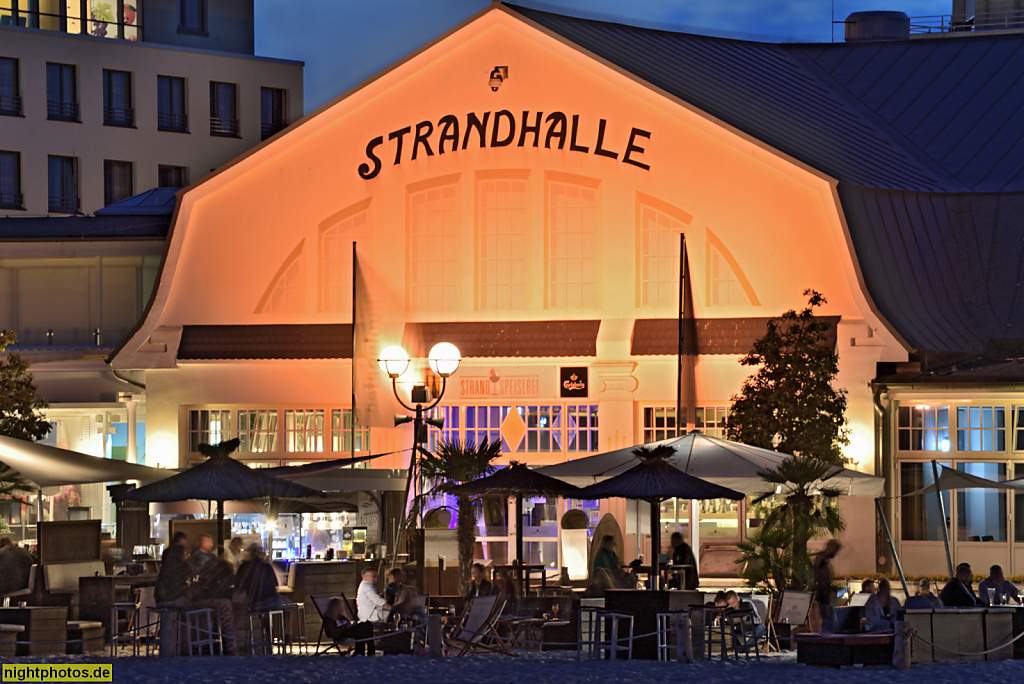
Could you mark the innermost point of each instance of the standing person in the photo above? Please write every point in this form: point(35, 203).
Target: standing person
point(1001, 587)
point(395, 586)
point(607, 560)
point(233, 552)
point(479, 585)
point(257, 579)
point(682, 554)
point(213, 590)
point(958, 592)
point(925, 599)
point(372, 607)
point(173, 578)
point(880, 610)
point(823, 591)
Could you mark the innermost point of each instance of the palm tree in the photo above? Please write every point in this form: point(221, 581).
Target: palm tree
point(454, 463)
point(806, 510)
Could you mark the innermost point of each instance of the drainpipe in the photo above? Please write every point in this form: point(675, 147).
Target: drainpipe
point(882, 459)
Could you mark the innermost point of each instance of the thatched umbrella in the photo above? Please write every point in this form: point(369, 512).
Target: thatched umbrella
point(653, 480)
point(220, 478)
point(517, 480)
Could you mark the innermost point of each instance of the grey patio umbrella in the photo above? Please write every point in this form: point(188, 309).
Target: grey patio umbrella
point(49, 466)
point(653, 479)
point(220, 478)
point(518, 480)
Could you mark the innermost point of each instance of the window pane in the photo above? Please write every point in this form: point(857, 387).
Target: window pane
point(981, 428)
point(981, 513)
point(920, 518)
point(923, 428)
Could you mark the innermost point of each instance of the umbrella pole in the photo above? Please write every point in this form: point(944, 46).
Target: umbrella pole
point(220, 527)
point(892, 547)
point(655, 543)
point(942, 513)
point(520, 545)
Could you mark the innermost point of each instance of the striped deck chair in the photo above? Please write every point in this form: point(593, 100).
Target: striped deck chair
point(478, 630)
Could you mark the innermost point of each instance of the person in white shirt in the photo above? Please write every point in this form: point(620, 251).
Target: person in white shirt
point(372, 607)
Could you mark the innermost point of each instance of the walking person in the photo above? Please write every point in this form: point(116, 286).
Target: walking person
point(823, 591)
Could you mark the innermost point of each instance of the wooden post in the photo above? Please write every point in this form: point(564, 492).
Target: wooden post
point(434, 636)
point(901, 646)
point(684, 639)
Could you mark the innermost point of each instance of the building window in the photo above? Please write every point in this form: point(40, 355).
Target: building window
point(10, 181)
point(117, 181)
point(980, 428)
point(172, 176)
point(920, 517)
point(336, 262)
point(502, 244)
point(208, 427)
point(273, 111)
point(10, 88)
point(192, 16)
point(224, 109)
point(61, 92)
point(484, 422)
point(257, 430)
point(659, 257)
point(580, 428)
point(304, 430)
point(63, 185)
point(346, 435)
point(981, 513)
point(171, 114)
point(117, 99)
point(922, 428)
point(725, 286)
point(713, 420)
point(659, 423)
point(572, 246)
point(433, 240)
point(1018, 506)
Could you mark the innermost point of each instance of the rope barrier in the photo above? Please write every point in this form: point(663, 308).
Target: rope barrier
point(914, 634)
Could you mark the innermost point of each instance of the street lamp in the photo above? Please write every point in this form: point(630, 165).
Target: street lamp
point(443, 360)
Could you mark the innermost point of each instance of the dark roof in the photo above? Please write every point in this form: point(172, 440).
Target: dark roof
point(659, 336)
point(506, 339)
point(50, 228)
point(329, 341)
point(924, 136)
point(152, 202)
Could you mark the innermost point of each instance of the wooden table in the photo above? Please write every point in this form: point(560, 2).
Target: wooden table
point(836, 650)
point(644, 606)
point(96, 595)
point(41, 623)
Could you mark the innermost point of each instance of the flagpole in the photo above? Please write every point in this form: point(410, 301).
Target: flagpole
point(352, 443)
point(680, 421)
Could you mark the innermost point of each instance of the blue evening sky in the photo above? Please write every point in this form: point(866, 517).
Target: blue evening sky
point(344, 42)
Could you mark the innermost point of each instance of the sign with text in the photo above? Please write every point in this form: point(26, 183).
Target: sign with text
point(573, 381)
point(497, 385)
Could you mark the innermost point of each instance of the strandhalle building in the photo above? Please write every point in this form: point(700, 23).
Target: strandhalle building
point(519, 186)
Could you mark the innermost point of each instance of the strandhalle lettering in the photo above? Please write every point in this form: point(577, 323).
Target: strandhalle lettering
point(554, 129)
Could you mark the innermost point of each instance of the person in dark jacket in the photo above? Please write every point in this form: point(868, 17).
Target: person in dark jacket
point(256, 577)
point(15, 566)
point(339, 628)
point(173, 579)
point(479, 585)
point(823, 591)
point(682, 554)
point(958, 592)
point(213, 590)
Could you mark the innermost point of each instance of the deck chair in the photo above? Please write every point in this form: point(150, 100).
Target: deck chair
point(479, 625)
point(320, 603)
point(860, 599)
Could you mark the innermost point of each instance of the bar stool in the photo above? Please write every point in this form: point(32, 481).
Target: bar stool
point(299, 627)
point(586, 632)
point(123, 610)
point(620, 625)
point(271, 616)
point(199, 631)
point(666, 627)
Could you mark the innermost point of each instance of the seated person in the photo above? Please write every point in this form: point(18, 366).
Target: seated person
point(1003, 589)
point(372, 607)
point(173, 578)
point(479, 585)
point(338, 628)
point(867, 586)
point(507, 589)
point(406, 606)
point(203, 553)
point(925, 599)
point(880, 610)
point(395, 586)
point(213, 589)
point(958, 592)
point(256, 577)
point(720, 600)
point(15, 566)
point(734, 602)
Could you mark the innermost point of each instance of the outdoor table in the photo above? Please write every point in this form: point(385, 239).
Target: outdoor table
point(522, 572)
point(97, 594)
point(42, 624)
point(644, 606)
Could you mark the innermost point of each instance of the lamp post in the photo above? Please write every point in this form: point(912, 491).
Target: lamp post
point(444, 360)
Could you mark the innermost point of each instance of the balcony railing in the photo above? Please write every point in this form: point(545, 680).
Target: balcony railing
point(61, 111)
point(11, 200)
point(175, 123)
point(269, 128)
point(227, 128)
point(1006, 20)
point(117, 116)
point(10, 105)
point(61, 204)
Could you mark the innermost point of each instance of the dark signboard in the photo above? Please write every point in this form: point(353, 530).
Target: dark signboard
point(574, 381)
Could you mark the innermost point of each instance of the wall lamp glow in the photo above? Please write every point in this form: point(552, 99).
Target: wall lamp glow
point(499, 75)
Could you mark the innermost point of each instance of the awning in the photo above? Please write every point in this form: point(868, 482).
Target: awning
point(951, 478)
point(49, 466)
